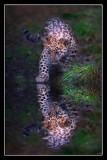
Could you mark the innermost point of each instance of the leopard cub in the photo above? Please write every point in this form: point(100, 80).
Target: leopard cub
point(59, 46)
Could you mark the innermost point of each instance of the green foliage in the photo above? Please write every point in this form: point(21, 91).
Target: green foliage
point(85, 22)
point(77, 72)
point(79, 94)
point(80, 82)
point(86, 141)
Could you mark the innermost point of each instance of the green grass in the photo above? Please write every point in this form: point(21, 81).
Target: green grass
point(78, 72)
point(85, 22)
point(81, 82)
point(86, 142)
point(79, 95)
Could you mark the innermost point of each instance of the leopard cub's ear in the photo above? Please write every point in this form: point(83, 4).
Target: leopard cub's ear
point(46, 39)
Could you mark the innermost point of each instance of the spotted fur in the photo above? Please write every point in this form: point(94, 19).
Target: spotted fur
point(59, 46)
point(60, 118)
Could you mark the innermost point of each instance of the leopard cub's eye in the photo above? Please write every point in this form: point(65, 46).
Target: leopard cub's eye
point(47, 39)
point(66, 42)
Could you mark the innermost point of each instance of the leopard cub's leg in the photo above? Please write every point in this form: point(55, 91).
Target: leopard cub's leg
point(44, 66)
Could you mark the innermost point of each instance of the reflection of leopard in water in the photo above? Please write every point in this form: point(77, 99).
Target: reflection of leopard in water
point(59, 46)
point(59, 118)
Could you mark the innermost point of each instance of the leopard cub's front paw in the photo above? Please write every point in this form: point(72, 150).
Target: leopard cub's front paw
point(42, 78)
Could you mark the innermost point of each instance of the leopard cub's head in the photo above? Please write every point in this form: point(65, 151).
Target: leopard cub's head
point(57, 47)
